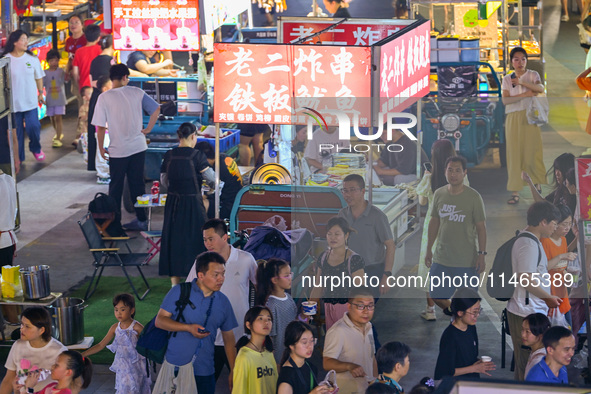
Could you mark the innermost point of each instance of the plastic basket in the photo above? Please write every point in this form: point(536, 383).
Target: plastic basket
point(225, 143)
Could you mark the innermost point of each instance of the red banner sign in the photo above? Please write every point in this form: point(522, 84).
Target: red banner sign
point(155, 24)
point(584, 188)
point(404, 69)
point(255, 83)
point(358, 32)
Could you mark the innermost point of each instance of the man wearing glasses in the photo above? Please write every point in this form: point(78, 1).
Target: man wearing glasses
point(458, 224)
point(373, 239)
point(529, 261)
point(349, 345)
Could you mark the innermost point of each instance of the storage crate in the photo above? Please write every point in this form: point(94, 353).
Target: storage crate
point(225, 143)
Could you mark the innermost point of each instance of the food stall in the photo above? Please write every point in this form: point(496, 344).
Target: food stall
point(483, 31)
point(295, 92)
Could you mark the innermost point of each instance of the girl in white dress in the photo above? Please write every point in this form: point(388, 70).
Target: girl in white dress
point(129, 366)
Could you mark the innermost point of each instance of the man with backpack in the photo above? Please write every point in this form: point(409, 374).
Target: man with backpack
point(530, 268)
point(194, 334)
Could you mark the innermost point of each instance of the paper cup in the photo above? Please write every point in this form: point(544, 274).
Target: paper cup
point(486, 359)
point(310, 307)
point(163, 199)
point(143, 200)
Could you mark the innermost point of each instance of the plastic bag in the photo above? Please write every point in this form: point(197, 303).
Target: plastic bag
point(330, 381)
point(574, 268)
point(557, 318)
point(537, 112)
point(276, 221)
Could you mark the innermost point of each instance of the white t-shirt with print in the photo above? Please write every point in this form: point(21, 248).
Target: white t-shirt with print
point(524, 256)
point(24, 71)
point(43, 357)
point(241, 269)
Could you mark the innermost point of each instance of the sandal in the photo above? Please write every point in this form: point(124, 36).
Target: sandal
point(513, 200)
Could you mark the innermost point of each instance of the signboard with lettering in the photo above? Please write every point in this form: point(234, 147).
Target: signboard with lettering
point(155, 24)
point(583, 170)
point(404, 67)
point(363, 32)
point(255, 83)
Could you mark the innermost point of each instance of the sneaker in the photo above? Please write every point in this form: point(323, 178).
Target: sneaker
point(39, 156)
point(136, 225)
point(429, 315)
point(564, 18)
point(56, 143)
point(103, 181)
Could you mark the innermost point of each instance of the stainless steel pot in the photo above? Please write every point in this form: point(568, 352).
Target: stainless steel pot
point(35, 281)
point(68, 320)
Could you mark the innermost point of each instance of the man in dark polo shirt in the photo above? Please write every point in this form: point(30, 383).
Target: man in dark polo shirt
point(373, 239)
point(398, 159)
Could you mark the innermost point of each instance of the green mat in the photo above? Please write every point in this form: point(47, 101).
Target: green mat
point(99, 315)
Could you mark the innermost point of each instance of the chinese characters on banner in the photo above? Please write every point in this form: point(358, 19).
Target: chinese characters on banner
point(351, 32)
point(155, 24)
point(584, 188)
point(256, 83)
point(404, 69)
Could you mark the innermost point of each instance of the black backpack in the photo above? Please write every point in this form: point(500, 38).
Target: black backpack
point(107, 216)
point(500, 274)
point(153, 341)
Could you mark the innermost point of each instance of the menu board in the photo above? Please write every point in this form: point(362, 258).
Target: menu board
point(155, 25)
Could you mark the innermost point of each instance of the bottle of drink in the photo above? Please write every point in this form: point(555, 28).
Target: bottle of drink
point(155, 192)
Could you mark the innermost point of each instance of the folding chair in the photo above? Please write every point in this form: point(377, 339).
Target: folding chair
point(110, 257)
point(154, 238)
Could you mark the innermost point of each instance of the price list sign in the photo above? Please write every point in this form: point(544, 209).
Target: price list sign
point(155, 25)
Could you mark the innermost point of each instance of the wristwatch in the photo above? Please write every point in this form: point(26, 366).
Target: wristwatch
point(482, 252)
point(31, 390)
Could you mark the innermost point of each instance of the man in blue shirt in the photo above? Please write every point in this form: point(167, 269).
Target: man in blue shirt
point(194, 341)
point(560, 347)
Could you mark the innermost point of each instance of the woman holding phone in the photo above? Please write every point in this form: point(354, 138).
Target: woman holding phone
point(433, 179)
point(523, 140)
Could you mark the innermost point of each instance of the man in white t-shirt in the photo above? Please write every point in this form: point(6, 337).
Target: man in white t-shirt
point(530, 265)
point(321, 147)
point(240, 270)
point(122, 109)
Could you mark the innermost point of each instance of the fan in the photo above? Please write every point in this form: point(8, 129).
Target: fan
point(271, 174)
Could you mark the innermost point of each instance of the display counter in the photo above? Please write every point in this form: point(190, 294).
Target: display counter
point(55, 15)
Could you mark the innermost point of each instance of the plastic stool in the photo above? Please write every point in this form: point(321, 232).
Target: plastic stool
point(154, 238)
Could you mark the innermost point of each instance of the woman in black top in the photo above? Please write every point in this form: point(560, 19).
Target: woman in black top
point(458, 347)
point(338, 8)
point(296, 376)
point(183, 170)
point(99, 66)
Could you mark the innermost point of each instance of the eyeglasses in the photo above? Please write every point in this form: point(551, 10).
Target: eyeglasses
point(306, 342)
point(350, 190)
point(290, 276)
point(566, 224)
point(476, 312)
point(361, 307)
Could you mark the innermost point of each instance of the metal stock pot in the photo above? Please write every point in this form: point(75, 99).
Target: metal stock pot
point(35, 281)
point(68, 320)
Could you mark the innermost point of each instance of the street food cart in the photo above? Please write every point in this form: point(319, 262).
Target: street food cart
point(283, 84)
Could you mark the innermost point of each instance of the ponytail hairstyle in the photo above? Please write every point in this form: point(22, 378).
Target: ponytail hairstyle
point(12, 39)
point(250, 318)
point(293, 333)
point(80, 366)
point(462, 300)
point(266, 271)
point(106, 42)
point(186, 130)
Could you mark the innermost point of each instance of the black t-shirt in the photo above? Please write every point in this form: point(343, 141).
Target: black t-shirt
point(457, 349)
point(404, 161)
point(180, 174)
point(302, 382)
point(341, 13)
point(100, 65)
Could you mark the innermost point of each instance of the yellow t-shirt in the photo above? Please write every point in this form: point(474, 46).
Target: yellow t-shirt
point(254, 372)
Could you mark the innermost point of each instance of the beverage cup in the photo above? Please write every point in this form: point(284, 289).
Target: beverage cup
point(163, 199)
point(310, 307)
point(486, 359)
